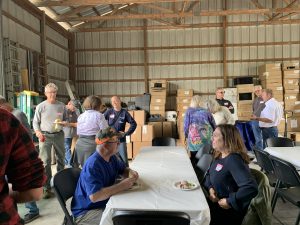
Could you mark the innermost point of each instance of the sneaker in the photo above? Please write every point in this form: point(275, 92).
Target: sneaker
point(30, 217)
point(48, 194)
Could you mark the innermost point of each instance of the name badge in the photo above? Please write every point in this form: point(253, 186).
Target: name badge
point(112, 116)
point(226, 103)
point(261, 102)
point(219, 167)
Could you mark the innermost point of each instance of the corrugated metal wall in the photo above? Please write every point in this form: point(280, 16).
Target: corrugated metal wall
point(25, 29)
point(189, 58)
point(57, 60)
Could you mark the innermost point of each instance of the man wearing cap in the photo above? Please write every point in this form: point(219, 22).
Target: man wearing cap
point(97, 181)
point(223, 102)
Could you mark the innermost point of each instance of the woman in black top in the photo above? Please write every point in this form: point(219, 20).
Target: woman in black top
point(229, 182)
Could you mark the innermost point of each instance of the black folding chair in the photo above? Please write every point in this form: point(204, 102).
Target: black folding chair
point(164, 141)
point(202, 166)
point(130, 217)
point(206, 149)
point(287, 174)
point(280, 142)
point(64, 184)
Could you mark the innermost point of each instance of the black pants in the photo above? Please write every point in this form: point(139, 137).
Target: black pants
point(220, 216)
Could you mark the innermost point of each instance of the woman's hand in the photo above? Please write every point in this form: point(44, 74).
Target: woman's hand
point(133, 174)
point(223, 203)
point(212, 195)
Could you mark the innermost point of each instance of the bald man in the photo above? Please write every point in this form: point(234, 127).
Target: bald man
point(117, 117)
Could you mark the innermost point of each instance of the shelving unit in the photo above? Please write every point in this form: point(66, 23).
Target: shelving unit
point(12, 72)
point(40, 79)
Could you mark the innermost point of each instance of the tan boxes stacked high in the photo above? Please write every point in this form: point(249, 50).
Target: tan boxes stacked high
point(291, 85)
point(245, 100)
point(183, 100)
point(291, 77)
point(270, 76)
point(158, 91)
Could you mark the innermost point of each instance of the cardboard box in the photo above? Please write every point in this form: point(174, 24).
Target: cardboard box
point(182, 106)
point(131, 112)
point(291, 74)
point(242, 88)
point(183, 100)
point(157, 108)
point(269, 67)
point(244, 107)
point(158, 100)
point(162, 93)
point(137, 134)
point(138, 145)
point(129, 150)
point(185, 92)
point(290, 82)
point(158, 84)
point(290, 65)
point(147, 132)
point(140, 117)
point(168, 129)
point(157, 128)
point(293, 123)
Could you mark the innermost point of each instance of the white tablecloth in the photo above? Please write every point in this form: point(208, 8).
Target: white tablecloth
point(159, 168)
point(290, 154)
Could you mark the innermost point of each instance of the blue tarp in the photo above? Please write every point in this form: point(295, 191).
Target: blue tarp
point(246, 132)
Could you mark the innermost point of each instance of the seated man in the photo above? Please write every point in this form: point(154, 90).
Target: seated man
point(97, 179)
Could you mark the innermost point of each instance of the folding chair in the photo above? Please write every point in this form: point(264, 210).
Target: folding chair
point(287, 174)
point(202, 166)
point(131, 217)
point(64, 184)
point(280, 142)
point(163, 141)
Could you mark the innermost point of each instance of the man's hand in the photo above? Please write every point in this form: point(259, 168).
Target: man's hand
point(253, 117)
point(127, 183)
point(213, 195)
point(223, 203)
point(133, 174)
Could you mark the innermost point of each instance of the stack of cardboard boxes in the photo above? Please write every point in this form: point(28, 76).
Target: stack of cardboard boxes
point(141, 137)
point(158, 91)
point(245, 101)
point(270, 76)
point(291, 75)
point(183, 100)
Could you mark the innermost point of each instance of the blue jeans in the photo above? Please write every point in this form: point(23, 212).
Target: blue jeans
point(257, 134)
point(268, 132)
point(33, 209)
point(68, 153)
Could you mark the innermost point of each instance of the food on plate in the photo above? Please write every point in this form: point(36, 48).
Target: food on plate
point(185, 185)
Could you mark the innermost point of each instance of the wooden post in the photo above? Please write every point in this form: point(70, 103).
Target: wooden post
point(225, 72)
point(43, 46)
point(146, 66)
point(72, 69)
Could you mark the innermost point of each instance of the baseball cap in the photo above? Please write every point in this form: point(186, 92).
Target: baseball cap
point(104, 135)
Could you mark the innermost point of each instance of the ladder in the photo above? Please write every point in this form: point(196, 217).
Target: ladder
point(12, 74)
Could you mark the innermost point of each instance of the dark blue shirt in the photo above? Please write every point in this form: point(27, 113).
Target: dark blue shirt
point(118, 119)
point(231, 179)
point(95, 175)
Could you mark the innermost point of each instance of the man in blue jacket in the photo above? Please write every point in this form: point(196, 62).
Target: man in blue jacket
point(117, 118)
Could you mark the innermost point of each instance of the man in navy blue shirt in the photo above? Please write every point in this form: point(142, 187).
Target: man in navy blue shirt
point(117, 118)
point(97, 181)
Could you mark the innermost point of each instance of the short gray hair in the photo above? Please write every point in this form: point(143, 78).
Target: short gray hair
point(51, 86)
point(196, 101)
point(269, 92)
point(213, 106)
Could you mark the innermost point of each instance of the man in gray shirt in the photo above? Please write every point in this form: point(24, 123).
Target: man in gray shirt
point(257, 106)
point(48, 115)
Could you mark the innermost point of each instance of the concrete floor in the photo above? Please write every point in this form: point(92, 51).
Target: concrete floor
point(52, 214)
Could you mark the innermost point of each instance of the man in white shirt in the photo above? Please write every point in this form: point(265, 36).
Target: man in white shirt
point(270, 116)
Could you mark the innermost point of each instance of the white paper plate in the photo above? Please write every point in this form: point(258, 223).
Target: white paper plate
point(192, 186)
